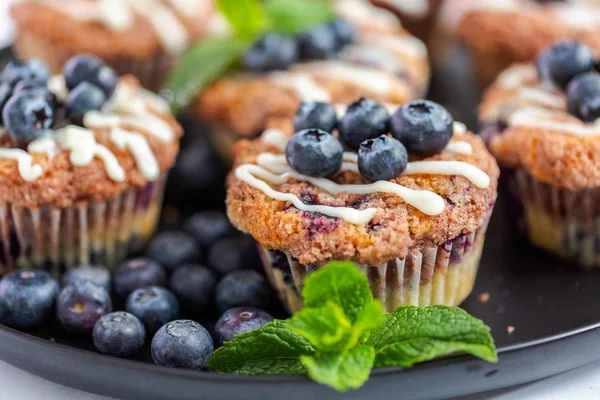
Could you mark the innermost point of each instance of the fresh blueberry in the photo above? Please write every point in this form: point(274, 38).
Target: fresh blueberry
point(583, 96)
point(79, 306)
point(182, 344)
point(314, 152)
point(6, 90)
point(563, 61)
point(242, 288)
point(138, 273)
point(87, 68)
point(424, 127)
point(234, 253)
point(364, 119)
point(193, 285)
point(83, 98)
point(27, 297)
point(119, 334)
point(172, 249)
point(319, 42)
point(27, 115)
point(27, 84)
point(33, 69)
point(315, 115)
point(382, 159)
point(344, 31)
point(97, 275)
point(207, 227)
point(154, 306)
point(239, 320)
point(272, 52)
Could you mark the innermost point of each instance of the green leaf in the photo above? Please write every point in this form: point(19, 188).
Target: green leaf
point(293, 16)
point(327, 328)
point(201, 65)
point(349, 370)
point(273, 349)
point(411, 335)
point(370, 317)
point(247, 17)
point(341, 283)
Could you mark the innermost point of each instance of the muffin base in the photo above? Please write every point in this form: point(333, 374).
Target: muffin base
point(92, 232)
point(431, 275)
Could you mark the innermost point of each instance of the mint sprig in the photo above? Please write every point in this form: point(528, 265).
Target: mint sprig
point(211, 58)
point(342, 332)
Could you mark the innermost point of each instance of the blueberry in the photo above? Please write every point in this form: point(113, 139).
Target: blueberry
point(27, 115)
point(319, 42)
point(344, 31)
point(364, 119)
point(272, 52)
point(583, 96)
point(172, 249)
point(207, 227)
point(424, 127)
point(83, 98)
point(564, 60)
point(154, 306)
point(27, 297)
point(382, 159)
point(193, 285)
point(119, 334)
point(80, 305)
point(138, 273)
point(99, 276)
point(6, 90)
point(27, 84)
point(87, 68)
point(315, 115)
point(234, 253)
point(240, 320)
point(182, 344)
point(33, 69)
point(242, 288)
point(314, 152)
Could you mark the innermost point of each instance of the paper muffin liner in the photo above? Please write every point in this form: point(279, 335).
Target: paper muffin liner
point(91, 232)
point(150, 71)
point(430, 275)
point(563, 222)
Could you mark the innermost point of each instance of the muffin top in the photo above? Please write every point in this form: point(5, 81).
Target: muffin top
point(83, 135)
point(113, 28)
point(545, 119)
point(303, 194)
point(378, 59)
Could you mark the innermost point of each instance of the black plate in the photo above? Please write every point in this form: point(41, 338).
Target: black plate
point(542, 312)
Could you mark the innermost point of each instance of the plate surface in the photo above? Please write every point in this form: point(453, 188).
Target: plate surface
point(542, 312)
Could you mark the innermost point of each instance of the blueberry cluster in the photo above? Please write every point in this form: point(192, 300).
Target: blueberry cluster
point(275, 51)
point(156, 290)
point(422, 127)
point(570, 65)
point(29, 109)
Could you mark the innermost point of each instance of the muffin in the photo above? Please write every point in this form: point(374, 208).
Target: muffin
point(516, 30)
point(82, 170)
point(541, 124)
point(370, 55)
point(417, 231)
point(418, 17)
point(140, 38)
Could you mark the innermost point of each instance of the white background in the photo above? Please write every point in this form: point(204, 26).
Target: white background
point(579, 384)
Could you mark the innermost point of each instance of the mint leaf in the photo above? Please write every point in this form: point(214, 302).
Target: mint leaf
point(202, 64)
point(293, 16)
point(370, 317)
point(246, 17)
point(327, 328)
point(411, 335)
point(341, 283)
point(273, 349)
point(348, 370)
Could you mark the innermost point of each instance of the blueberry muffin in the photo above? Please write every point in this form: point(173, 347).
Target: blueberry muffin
point(406, 197)
point(142, 38)
point(83, 160)
point(542, 125)
point(365, 52)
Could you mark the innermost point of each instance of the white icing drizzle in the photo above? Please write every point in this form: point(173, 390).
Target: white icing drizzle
point(406, 45)
point(516, 76)
point(44, 144)
point(466, 170)
point(417, 9)
point(303, 85)
point(167, 27)
point(539, 119)
point(361, 12)
point(578, 17)
point(459, 147)
point(542, 97)
point(29, 172)
point(373, 55)
point(58, 87)
point(140, 150)
point(459, 128)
